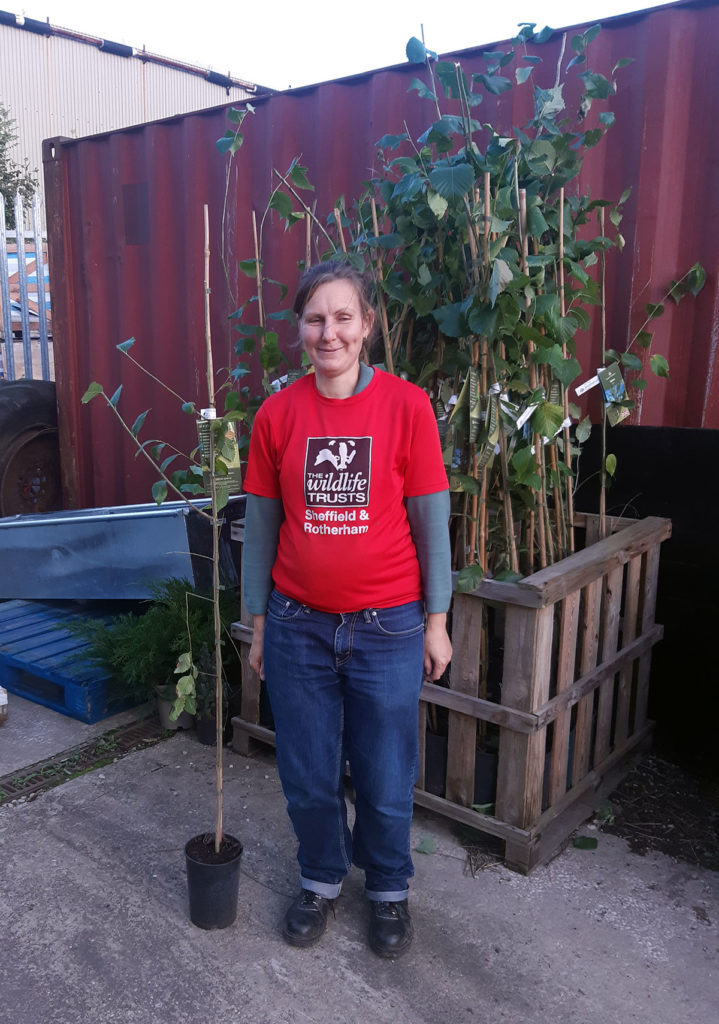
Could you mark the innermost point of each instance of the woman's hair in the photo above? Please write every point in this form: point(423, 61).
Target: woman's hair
point(334, 270)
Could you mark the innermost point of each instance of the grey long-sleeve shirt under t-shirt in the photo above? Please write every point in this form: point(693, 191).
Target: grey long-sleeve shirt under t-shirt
point(428, 516)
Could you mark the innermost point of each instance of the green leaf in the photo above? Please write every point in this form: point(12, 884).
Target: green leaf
point(125, 346)
point(696, 278)
point(223, 496)
point(137, 425)
point(584, 429)
point(116, 397)
point(483, 808)
point(467, 483)
point(607, 118)
point(159, 491)
point(451, 180)
point(184, 662)
point(450, 319)
point(631, 361)
point(391, 141)
point(249, 267)
point(185, 686)
point(427, 845)
point(585, 842)
point(494, 84)
point(423, 92)
point(93, 391)
point(188, 407)
point(659, 366)
point(281, 202)
point(547, 419)
point(548, 102)
point(654, 309)
point(522, 74)
point(644, 339)
point(596, 86)
point(298, 176)
point(544, 35)
point(500, 278)
point(469, 578)
point(437, 204)
point(610, 464)
point(416, 51)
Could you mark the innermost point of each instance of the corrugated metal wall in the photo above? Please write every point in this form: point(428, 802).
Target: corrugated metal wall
point(59, 86)
point(126, 228)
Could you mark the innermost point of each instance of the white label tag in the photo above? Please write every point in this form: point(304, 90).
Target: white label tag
point(587, 385)
point(521, 420)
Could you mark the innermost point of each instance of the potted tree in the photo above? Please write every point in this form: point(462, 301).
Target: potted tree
point(212, 858)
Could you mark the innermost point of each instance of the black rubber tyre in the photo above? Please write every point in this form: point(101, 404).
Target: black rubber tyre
point(29, 451)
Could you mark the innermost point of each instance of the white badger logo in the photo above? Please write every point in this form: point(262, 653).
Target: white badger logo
point(340, 459)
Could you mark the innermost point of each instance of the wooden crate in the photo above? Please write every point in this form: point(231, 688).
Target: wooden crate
point(574, 667)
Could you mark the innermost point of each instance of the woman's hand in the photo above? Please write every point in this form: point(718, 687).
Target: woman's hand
point(257, 660)
point(437, 646)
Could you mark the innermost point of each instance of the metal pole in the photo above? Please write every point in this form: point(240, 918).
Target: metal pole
point(5, 296)
point(40, 276)
point(22, 282)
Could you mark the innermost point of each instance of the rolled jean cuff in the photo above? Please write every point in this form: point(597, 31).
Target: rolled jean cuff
point(386, 897)
point(328, 890)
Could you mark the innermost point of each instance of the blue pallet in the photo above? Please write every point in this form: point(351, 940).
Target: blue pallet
point(41, 661)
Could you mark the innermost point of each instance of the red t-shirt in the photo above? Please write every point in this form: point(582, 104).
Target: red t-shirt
point(342, 468)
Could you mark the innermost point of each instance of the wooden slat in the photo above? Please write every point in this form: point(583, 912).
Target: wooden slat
point(611, 608)
point(486, 710)
point(461, 729)
point(482, 822)
point(566, 655)
point(649, 602)
point(589, 682)
point(243, 733)
point(591, 524)
point(579, 569)
point(525, 685)
point(589, 651)
point(629, 633)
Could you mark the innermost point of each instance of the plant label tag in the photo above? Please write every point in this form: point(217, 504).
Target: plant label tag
point(230, 456)
point(616, 413)
point(522, 419)
point(587, 385)
point(610, 377)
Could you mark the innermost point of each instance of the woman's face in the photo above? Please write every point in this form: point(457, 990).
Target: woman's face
point(333, 328)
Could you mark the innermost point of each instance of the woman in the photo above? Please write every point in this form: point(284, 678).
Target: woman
point(347, 513)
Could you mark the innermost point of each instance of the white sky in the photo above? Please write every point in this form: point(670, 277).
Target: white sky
point(279, 44)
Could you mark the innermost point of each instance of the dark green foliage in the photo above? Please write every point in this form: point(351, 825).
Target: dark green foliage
point(141, 650)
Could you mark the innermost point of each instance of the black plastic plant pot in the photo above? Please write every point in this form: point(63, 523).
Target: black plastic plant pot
point(213, 880)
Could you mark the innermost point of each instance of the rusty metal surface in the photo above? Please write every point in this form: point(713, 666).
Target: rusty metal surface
point(126, 241)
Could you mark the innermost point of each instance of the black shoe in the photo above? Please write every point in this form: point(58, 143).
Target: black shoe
point(306, 919)
point(390, 928)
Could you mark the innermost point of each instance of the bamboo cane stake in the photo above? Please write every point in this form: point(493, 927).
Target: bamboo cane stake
point(215, 548)
point(483, 489)
point(541, 496)
point(308, 241)
point(565, 396)
point(340, 232)
point(258, 272)
point(603, 307)
point(380, 297)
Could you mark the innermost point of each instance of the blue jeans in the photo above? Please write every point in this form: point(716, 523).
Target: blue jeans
point(347, 686)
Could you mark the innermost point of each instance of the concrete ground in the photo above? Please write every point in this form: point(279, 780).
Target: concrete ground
point(94, 924)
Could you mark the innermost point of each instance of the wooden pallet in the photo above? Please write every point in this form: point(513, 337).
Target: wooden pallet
point(41, 661)
point(576, 654)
